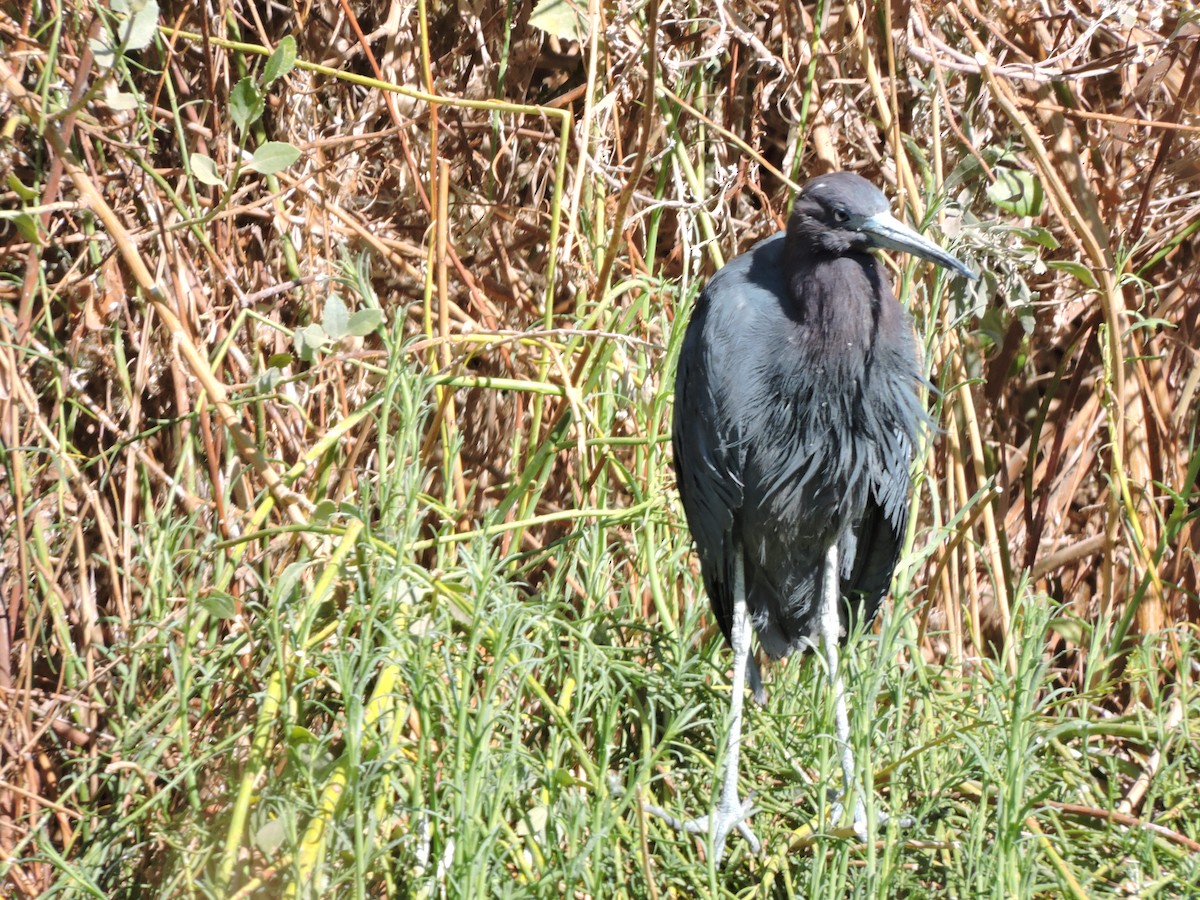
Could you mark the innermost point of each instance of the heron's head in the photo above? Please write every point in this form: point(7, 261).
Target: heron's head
point(842, 212)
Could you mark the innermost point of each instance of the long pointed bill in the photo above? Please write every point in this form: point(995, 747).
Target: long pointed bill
point(890, 233)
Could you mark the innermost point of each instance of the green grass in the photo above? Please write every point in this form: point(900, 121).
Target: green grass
point(454, 722)
point(461, 656)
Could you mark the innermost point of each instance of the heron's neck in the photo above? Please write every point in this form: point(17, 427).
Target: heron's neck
point(831, 282)
point(835, 300)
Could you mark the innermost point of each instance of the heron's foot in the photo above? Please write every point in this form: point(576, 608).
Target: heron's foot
point(726, 818)
point(837, 813)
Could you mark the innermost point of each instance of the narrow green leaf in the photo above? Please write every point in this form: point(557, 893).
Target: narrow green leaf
point(245, 104)
point(18, 187)
point(281, 61)
point(365, 321)
point(1041, 236)
point(335, 318)
point(142, 25)
point(1081, 272)
point(137, 22)
point(266, 381)
point(103, 52)
point(28, 226)
point(298, 734)
point(308, 341)
point(219, 605)
point(205, 170)
point(118, 100)
point(315, 336)
point(272, 157)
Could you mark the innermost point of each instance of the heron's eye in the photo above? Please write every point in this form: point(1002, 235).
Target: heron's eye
point(841, 216)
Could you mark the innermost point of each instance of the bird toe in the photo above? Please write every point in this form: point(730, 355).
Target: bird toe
point(725, 820)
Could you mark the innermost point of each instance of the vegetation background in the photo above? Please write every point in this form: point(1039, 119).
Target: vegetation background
point(341, 555)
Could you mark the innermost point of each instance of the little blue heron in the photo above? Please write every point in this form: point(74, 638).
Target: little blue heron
point(796, 414)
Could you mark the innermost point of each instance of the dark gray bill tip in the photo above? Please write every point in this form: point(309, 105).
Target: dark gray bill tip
point(962, 269)
point(889, 233)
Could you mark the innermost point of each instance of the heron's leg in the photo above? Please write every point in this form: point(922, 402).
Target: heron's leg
point(830, 633)
point(731, 812)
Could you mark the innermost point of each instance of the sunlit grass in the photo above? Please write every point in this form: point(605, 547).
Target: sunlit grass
point(461, 655)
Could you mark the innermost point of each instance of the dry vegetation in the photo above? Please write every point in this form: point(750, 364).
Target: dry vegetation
point(184, 414)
